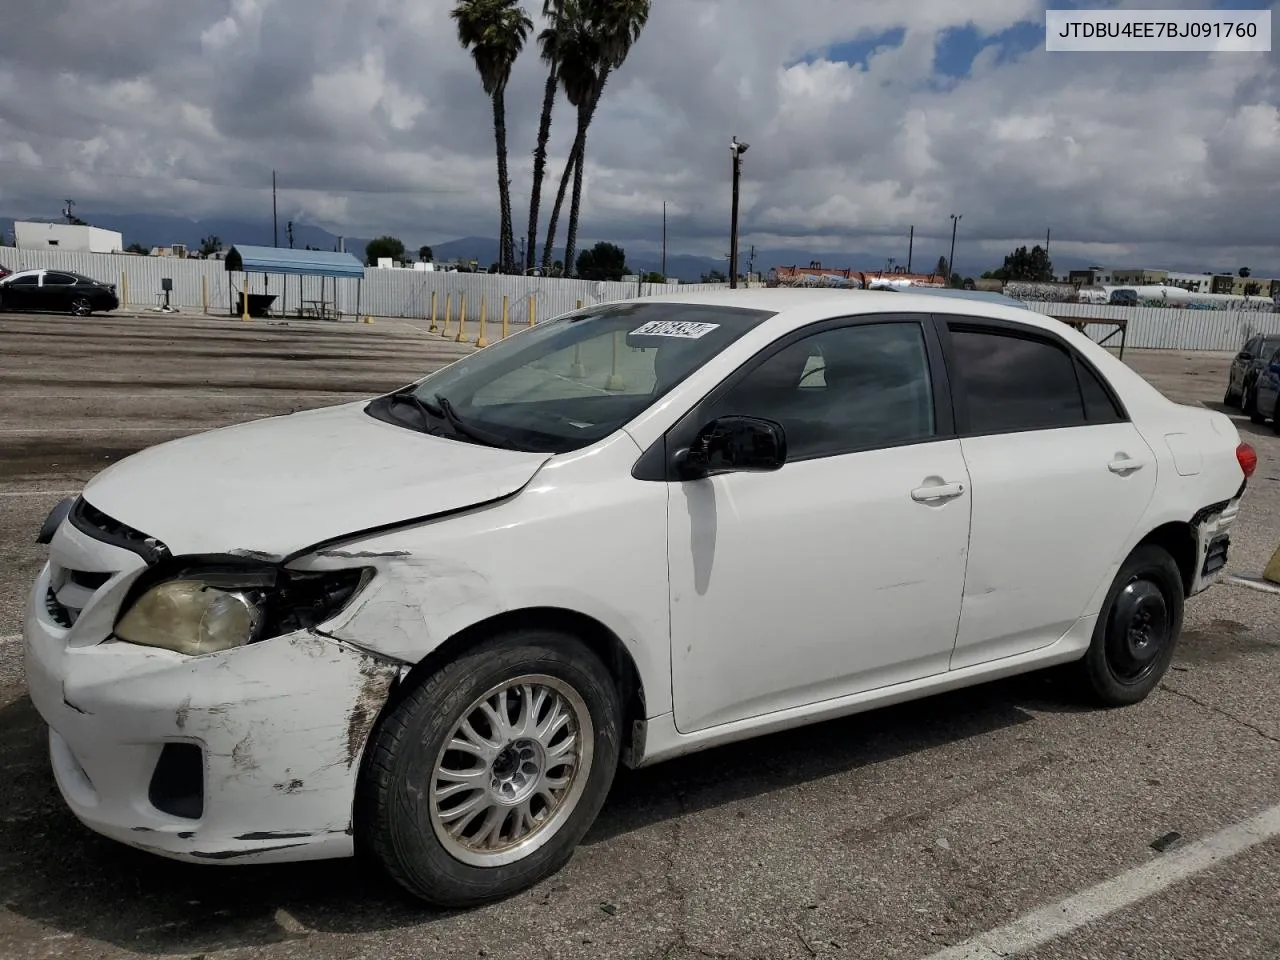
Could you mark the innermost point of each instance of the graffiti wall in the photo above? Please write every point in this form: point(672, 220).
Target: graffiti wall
point(1032, 292)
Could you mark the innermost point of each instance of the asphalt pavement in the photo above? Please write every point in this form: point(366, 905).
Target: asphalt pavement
point(900, 833)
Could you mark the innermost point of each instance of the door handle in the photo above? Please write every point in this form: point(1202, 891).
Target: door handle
point(939, 491)
point(1124, 465)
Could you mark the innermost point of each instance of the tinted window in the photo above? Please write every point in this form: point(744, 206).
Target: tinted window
point(30, 280)
point(850, 388)
point(1098, 405)
point(58, 280)
point(1014, 383)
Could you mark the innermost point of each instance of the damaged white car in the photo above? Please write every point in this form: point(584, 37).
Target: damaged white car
point(430, 626)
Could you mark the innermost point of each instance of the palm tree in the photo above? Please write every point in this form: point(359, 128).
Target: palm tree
point(598, 45)
point(495, 32)
point(559, 14)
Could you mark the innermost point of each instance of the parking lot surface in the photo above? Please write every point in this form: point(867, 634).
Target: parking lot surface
point(894, 834)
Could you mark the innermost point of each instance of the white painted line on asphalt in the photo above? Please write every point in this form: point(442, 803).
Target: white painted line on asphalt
point(1110, 896)
point(1254, 583)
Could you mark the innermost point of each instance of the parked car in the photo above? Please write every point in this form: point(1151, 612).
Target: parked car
point(430, 626)
point(1267, 402)
point(56, 291)
point(1242, 380)
point(4, 271)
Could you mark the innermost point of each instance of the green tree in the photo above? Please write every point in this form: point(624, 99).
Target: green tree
point(1244, 272)
point(137, 248)
point(1031, 265)
point(383, 247)
point(653, 276)
point(425, 254)
point(1252, 289)
point(594, 44)
point(561, 16)
point(604, 261)
point(495, 32)
point(941, 269)
point(210, 245)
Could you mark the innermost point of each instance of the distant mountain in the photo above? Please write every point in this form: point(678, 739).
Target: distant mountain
point(152, 230)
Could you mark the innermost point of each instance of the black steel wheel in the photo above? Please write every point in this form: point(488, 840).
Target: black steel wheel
point(1137, 629)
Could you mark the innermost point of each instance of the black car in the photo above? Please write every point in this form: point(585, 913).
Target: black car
point(1242, 381)
point(56, 291)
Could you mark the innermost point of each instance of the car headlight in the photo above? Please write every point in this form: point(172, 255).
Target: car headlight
point(192, 617)
point(194, 611)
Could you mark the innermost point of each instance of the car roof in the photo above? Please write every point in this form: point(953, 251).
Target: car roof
point(796, 307)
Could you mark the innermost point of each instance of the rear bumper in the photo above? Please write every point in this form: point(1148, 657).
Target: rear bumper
point(245, 756)
point(1212, 528)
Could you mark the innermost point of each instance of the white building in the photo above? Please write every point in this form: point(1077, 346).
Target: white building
point(67, 236)
point(1193, 282)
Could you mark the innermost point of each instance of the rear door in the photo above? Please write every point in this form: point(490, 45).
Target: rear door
point(57, 290)
point(1060, 479)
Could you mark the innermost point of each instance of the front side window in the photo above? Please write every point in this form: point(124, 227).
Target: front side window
point(845, 389)
point(1015, 383)
point(571, 381)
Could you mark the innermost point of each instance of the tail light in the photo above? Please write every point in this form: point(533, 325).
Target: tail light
point(1248, 459)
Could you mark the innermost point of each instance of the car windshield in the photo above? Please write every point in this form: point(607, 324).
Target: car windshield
point(571, 381)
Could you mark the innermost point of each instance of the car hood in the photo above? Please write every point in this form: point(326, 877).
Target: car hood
point(276, 486)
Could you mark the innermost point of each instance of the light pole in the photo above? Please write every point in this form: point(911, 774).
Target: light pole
point(664, 241)
point(951, 260)
point(737, 149)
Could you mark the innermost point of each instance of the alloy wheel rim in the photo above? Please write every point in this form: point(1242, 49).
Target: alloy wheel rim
point(80, 308)
point(1137, 630)
point(512, 770)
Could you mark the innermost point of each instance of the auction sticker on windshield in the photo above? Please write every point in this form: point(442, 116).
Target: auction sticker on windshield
point(685, 329)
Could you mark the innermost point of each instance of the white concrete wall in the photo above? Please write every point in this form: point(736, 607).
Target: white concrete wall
point(69, 237)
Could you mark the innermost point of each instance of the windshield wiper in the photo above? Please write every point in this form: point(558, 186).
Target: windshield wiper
point(427, 410)
point(468, 430)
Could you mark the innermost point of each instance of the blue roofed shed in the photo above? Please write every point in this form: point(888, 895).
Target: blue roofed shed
point(294, 263)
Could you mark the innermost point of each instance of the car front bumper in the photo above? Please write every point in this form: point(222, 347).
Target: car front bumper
point(250, 755)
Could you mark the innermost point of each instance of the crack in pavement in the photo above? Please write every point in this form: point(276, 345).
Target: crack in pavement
point(1218, 710)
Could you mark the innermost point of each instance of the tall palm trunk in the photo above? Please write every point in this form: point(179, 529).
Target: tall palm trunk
point(540, 164)
point(571, 164)
point(586, 113)
point(575, 206)
point(506, 251)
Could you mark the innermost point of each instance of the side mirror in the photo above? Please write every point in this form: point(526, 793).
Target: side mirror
point(735, 445)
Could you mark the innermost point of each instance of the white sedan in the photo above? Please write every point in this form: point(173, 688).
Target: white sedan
point(431, 625)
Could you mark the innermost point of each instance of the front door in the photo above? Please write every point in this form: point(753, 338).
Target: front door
point(1060, 479)
point(843, 571)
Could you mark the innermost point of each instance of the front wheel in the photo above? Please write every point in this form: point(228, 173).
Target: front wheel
point(1137, 631)
point(81, 307)
point(484, 778)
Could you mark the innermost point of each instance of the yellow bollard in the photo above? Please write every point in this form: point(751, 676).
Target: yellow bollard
point(244, 297)
point(462, 319)
point(576, 369)
point(448, 315)
point(533, 309)
point(506, 318)
point(1271, 572)
point(433, 328)
point(614, 382)
point(367, 319)
point(204, 293)
point(481, 342)
point(124, 289)
point(579, 305)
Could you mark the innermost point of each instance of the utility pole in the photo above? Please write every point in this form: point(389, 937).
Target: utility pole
point(951, 261)
point(751, 263)
point(275, 223)
point(911, 243)
point(664, 240)
point(737, 149)
point(289, 231)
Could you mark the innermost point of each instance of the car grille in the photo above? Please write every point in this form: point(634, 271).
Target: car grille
point(70, 592)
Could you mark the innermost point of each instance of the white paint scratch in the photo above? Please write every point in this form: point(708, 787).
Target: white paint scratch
point(1099, 901)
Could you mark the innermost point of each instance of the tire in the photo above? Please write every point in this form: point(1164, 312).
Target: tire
point(400, 821)
point(1275, 417)
point(81, 307)
point(1120, 669)
point(1230, 399)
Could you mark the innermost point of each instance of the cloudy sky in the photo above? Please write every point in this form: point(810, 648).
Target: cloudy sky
point(863, 118)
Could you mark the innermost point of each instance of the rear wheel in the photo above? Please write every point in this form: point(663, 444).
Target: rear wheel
point(1230, 398)
point(81, 307)
point(484, 778)
point(1137, 631)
